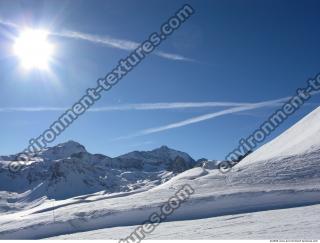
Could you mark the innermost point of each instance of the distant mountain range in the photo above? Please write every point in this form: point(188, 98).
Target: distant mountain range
point(68, 170)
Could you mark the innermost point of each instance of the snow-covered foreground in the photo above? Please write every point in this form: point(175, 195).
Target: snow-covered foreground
point(293, 223)
point(288, 179)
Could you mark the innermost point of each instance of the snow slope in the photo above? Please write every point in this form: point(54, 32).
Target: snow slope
point(286, 179)
point(292, 223)
point(303, 137)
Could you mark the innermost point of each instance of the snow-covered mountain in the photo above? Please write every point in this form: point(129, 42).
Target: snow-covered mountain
point(282, 174)
point(163, 157)
point(62, 151)
point(68, 170)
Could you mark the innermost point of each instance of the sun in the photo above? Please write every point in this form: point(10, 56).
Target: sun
point(33, 49)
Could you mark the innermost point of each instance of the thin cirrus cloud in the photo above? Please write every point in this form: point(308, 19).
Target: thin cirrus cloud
point(193, 120)
point(108, 41)
point(137, 106)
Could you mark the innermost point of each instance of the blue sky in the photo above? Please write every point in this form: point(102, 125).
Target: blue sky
point(229, 51)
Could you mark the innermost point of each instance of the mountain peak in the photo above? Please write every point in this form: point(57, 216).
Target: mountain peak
point(63, 150)
point(164, 147)
point(70, 144)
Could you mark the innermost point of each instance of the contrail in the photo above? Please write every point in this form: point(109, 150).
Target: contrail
point(111, 42)
point(141, 106)
point(208, 116)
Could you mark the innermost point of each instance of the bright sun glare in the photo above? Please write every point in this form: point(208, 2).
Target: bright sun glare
point(33, 49)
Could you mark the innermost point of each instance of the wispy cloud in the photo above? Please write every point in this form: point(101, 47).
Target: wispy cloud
point(108, 41)
point(208, 116)
point(121, 44)
point(137, 106)
point(126, 45)
point(32, 109)
point(175, 57)
point(139, 144)
point(8, 23)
